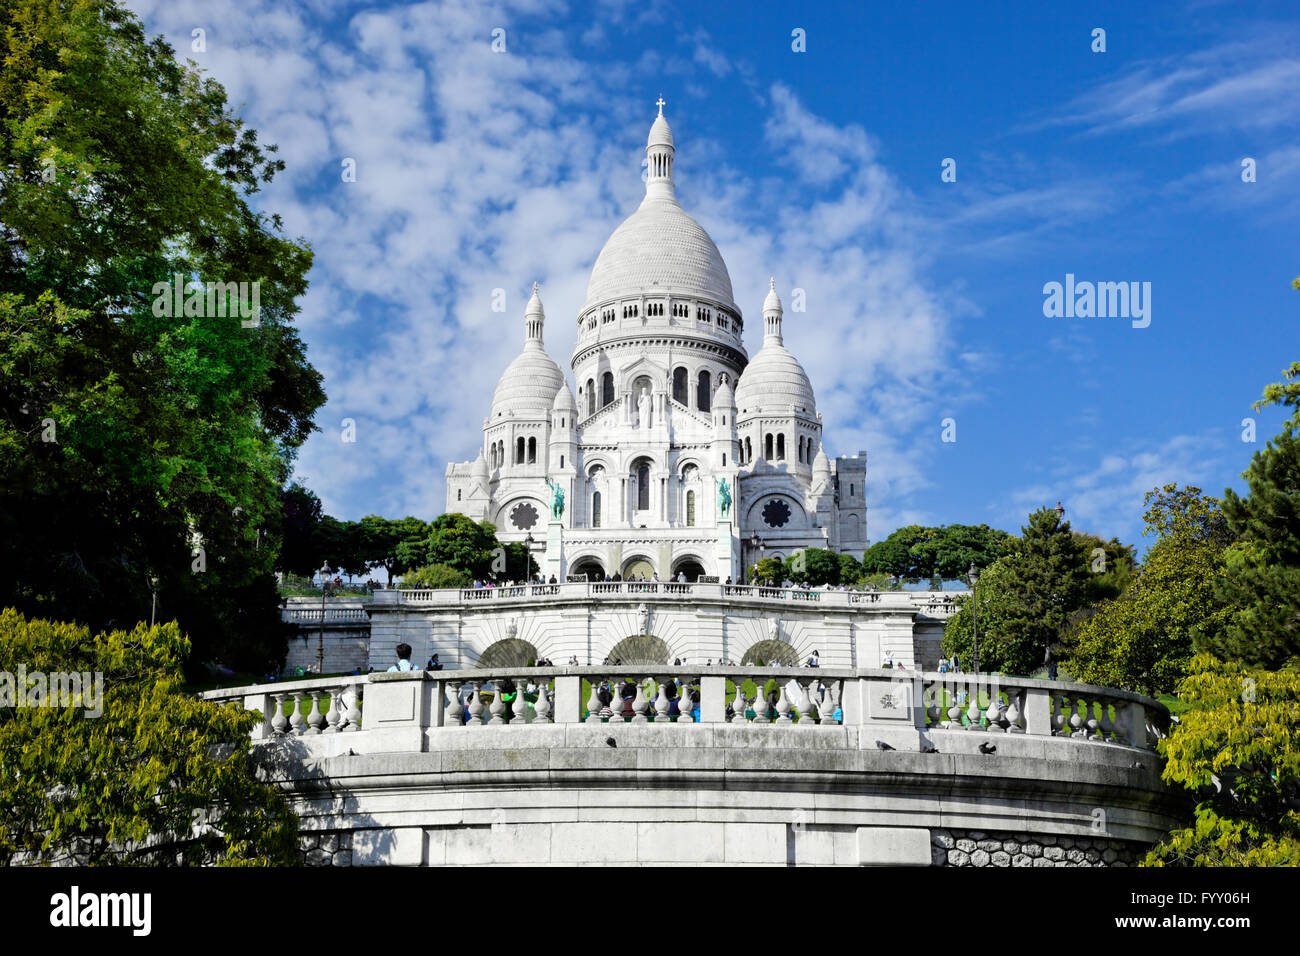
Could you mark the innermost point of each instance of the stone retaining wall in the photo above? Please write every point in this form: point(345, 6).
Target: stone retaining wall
point(976, 848)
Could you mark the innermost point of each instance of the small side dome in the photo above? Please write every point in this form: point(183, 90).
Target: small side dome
point(724, 397)
point(480, 468)
point(564, 400)
point(821, 464)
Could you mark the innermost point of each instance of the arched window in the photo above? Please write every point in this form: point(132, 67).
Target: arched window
point(606, 389)
point(690, 509)
point(643, 488)
point(704, 393)
point(767, 446)
point(595, 509)
point(458, 494)
point(801, 449)
point(724, 459)
point(519, 451)
point(591, 396)
point(561, 461)
point(749, 450)
point(680, 387)
point(532, 451)
point(850, 490)
point(780, 447)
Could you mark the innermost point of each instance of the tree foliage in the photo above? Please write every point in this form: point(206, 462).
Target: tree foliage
point(1237, 751)
point(1143, 640)
point(1030, 593)
point(435, 576)
point(158, 779)
point(917, 553)
point(140, 453)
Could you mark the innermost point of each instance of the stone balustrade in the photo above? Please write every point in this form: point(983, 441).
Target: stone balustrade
point(305, 615)
point(938, 604)
point(910, 709)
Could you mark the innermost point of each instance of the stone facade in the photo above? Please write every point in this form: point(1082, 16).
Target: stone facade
point(669, 408)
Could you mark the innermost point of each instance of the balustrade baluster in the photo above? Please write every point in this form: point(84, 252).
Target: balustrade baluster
point(973, 712)
point(334, 716)
point(1106, 725)
point(1091, 722)
point(542, 709)
point(315, 719)
point(760, 702)
point(279, 722)
point(1076, 722)
point(805, 703)
point(1015, 716)
point(639, 703)
point(661, 703)
point(739, 704)
point(353, 698)
point(782, 706)
point(992, 713)
point(296, 721)
point(1059, 717)
point(954, 709)
point(498, 706)
point(593, 704)
point(454, 713)
point(476, 705)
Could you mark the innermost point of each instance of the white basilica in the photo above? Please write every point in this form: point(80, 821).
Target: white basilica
point(680, 454)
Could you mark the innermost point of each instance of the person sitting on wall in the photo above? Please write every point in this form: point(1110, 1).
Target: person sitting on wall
point(403, 659)
point(434, 664)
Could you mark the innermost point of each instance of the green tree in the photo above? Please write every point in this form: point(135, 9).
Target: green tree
point(1263, 573)
point(893, 556)
point(948, 551)
point(1032, 595)
point(141, 452)
point(397, 545)
point(435, 576)
point(1237, 751)
point(1143, 639)
point(157, 779)
point(767, 571)
point(814, 567)
point(300, 538)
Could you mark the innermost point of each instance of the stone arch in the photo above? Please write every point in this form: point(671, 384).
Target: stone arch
point(769, 651)
point(640, 649)
point(691, 564)
point(589, 566)
point(642, 565)
point(525, 520)
point(510, 652)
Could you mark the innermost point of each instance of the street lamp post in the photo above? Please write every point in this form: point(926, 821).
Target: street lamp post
point(974, 576)
point(528, 557)
point(755, 542)
point(324, 591)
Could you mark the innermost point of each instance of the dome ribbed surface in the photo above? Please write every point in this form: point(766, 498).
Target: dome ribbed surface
point(528, 386)
point(774, 380)
point(659, 248)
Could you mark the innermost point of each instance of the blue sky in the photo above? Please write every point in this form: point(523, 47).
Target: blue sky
point(478, 170)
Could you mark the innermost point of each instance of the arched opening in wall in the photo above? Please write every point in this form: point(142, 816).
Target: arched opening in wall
point(595, 509)
point(640, 491)
point(512, 652)
point(770, 653)
point(638, 568)
point(801, 449)
point(780, 447)
point(591, 396)
point(689, 566)
point(589, 568)
point(532, 451)
point(749, 450)
point(640, 649)
point(519, 451)
point(690, 509)
point(680, 388)
point(767, 447)
point(606, 389)
point(704, 393)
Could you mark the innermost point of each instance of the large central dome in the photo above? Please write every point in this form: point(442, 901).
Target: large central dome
point(659, 248)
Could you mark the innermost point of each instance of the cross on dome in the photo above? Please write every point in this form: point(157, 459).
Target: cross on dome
point(660, 103)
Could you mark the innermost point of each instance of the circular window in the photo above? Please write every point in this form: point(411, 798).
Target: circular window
point(776, 513)
point(523, 516)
